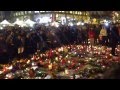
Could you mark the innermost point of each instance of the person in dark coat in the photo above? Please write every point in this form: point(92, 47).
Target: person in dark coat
point(3, 51)
point(20, 46)
point(113, 38)
point(28, 45)
point(97, 32)
point(119, 33)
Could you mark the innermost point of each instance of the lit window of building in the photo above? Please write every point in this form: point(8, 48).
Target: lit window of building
point(56, 15)
point(71, 12)
point(29, 11)
point(84, 13)
point(22, 13)
point(16, 14)
point(75, 12)
point(25, 12)
point(36, 11)
point(19, 13)
point(80, 13)
point(42, 11)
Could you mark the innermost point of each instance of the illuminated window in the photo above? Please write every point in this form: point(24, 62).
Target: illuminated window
point(25, 12)
point(80, 13)
point(71, 12)
point(42, 11)
point(29, 11)
point(51, 15)
point(19, 13)
point(16, 14)
point(76, 12)
point(22, 13)
point(36, 11)
point(63, 11)
point(84, 13)
point(56, 15)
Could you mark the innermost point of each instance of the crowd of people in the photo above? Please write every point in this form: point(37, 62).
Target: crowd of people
point(17, 42)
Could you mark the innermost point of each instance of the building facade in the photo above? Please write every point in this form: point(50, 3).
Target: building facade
point(52, 15)
point(5, 15)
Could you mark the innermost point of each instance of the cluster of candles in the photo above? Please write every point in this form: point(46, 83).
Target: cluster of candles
point(63, 59)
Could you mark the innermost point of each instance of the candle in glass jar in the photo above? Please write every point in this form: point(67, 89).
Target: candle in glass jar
point(41, 55)
point(32, 58)
point(50, 66)
point(68, 61)
point(67, 56)
point(56, 58)
point(66, 71)
point(61, 48)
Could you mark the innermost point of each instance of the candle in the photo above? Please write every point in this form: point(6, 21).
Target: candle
point(98, 53)
point(59, 49)
point(33, 63)
point(10, 67)
point(1, 72)
point(68, 61)
point(41, 55)
point(32, 58)
point(66, 71)
point(68, 47)
point(56, 58)
point(28, 61)
point(62, 49)
point(90, 58)
point(67, 56)
point(50, 66)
